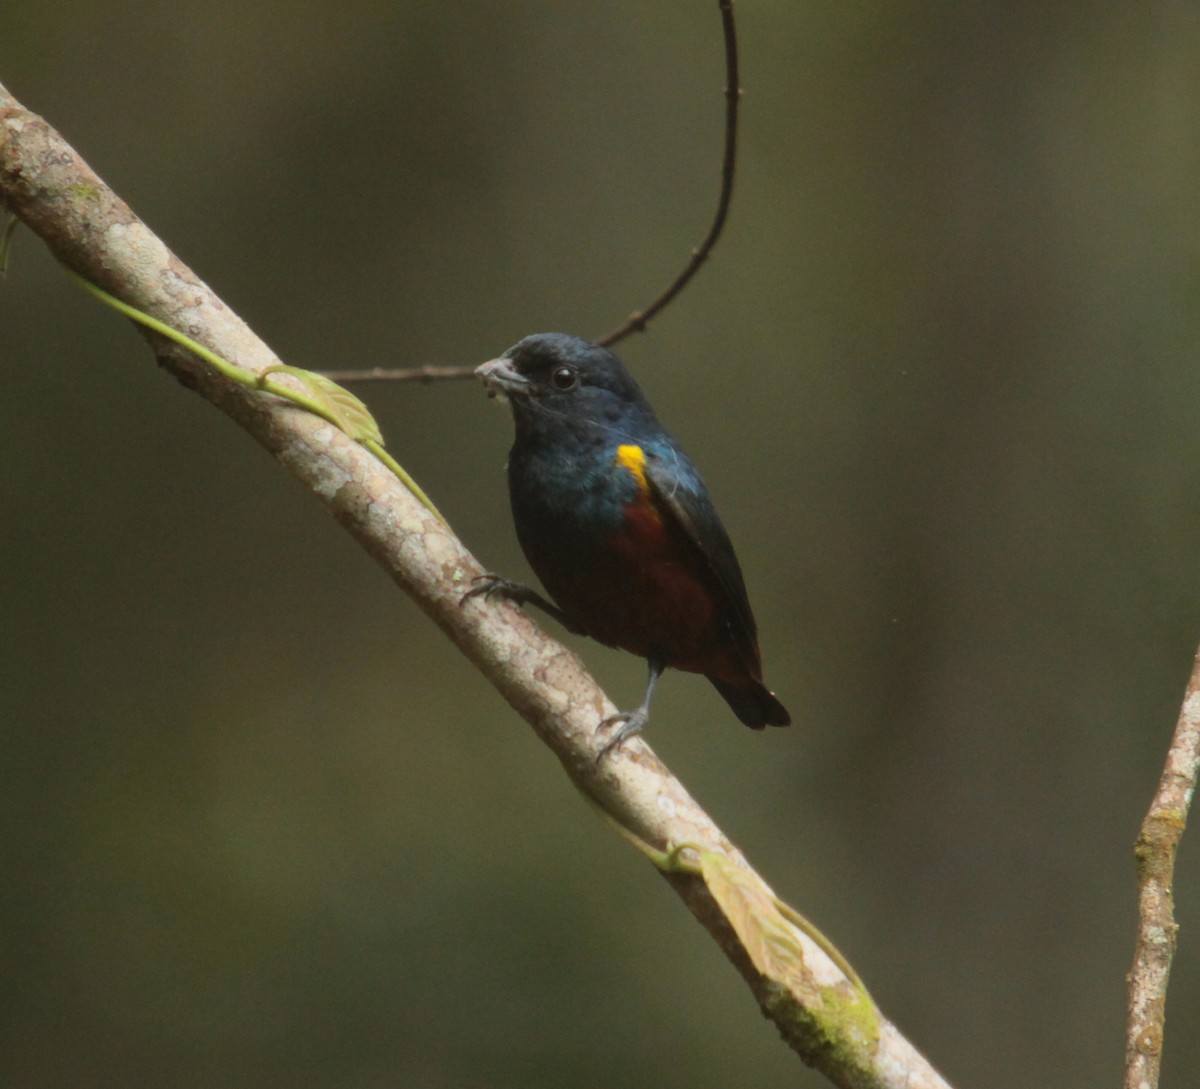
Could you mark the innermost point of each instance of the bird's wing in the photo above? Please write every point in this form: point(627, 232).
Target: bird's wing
point(682, 496)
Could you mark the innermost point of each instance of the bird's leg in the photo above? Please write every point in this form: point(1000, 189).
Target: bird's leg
point(632, 721)
point(489, 586)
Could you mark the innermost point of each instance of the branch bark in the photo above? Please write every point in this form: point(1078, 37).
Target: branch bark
point(824, 1016)
point(1155, 852)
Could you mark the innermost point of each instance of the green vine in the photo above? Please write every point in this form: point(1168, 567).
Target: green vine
point(321, 396)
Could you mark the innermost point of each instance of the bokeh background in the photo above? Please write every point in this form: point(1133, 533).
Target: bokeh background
point(262, 826)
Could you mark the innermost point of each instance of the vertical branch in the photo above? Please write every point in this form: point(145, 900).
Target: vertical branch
point(1155, 853)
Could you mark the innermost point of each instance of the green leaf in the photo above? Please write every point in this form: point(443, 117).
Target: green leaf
point(752, 911)
point(337, 403)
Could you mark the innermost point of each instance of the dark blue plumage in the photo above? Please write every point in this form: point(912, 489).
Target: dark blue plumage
point(618, 525)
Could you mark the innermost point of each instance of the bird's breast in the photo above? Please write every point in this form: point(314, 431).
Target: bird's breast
point(576, 490)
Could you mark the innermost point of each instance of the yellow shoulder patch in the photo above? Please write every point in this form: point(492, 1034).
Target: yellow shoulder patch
point(633, 458)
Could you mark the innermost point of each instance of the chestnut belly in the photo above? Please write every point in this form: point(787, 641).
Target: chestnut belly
point(648, 591)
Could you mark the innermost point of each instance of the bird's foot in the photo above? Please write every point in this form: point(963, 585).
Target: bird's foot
point(630, 722)
point(490, 586)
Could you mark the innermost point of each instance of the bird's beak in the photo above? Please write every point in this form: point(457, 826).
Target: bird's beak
point(501, 377)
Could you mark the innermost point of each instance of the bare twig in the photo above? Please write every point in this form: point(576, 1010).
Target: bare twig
point(1156, 847)
point(639, 319)
point(824, 1016)
point(424, 374)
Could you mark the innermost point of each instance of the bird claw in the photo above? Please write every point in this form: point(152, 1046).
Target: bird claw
point(631, 723)
point(488, 586)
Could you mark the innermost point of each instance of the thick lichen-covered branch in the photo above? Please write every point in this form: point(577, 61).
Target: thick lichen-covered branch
point(825, 1016)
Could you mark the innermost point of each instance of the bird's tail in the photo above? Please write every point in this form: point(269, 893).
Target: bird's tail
point(753, 704)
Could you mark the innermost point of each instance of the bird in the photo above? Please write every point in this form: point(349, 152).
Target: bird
point(618, 526)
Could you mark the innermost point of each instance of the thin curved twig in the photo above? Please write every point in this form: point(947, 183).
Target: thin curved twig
point(1155, 853)
point(639, 319)
point(424, 374)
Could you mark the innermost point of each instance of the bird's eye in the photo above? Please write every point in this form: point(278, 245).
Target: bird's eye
point(564, 378)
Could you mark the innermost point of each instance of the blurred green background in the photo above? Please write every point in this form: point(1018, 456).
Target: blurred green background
point(262, 825)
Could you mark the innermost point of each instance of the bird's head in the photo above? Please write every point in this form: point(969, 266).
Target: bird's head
point(553, 376)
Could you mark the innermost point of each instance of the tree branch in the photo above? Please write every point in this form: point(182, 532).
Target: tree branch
point(1155, 853)
point(825, 1017)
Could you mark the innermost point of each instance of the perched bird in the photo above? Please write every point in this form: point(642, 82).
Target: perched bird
point(616, 522)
